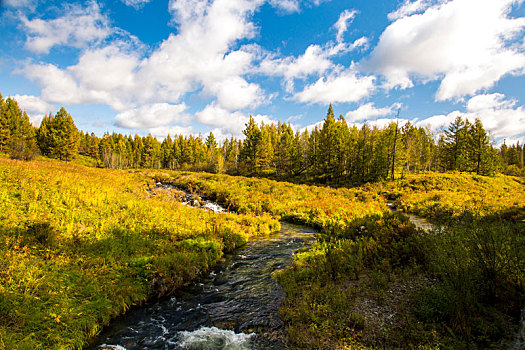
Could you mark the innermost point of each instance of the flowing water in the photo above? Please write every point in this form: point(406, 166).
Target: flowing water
point(235, 307)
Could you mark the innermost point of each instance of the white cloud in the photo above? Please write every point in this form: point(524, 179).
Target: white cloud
point(313, 61)
point(137, 4)
point(382, 122)
point(153, 116)
point(34, 106)
point(409, 8)
point(438, 122)
point(316, 58)
point(163, 131)
point(498, 115)
point(236, 93)
point(344, 87)
point(229, 123)
point(287, 6)
point(58, 85)
point(79, 27)
point(489, 101)
point(369, 110)
point(200, 57)
point(293, 6)
point(31, 4)
point(467, 44)
point(342, 23)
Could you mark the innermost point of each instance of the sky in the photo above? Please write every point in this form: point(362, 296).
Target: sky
point(195, 66)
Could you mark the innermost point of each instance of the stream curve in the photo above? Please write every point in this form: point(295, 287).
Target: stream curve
point(235, 307)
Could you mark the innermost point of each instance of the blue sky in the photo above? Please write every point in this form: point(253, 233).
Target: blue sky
point(194, 66)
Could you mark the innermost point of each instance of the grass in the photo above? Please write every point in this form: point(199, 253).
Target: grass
point(81, 245)
point(374, 281)
point(321, 207)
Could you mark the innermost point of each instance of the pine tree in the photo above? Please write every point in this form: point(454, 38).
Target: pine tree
point(327, 146)
point(341, 147)
point(59, 137)
point(211, 143)
point(167, 153)
point(284, 150)
point(453, 152)
point(22, 137)
point(250, 148)
point(265, 152)
point(480, 149)
point(5, 132)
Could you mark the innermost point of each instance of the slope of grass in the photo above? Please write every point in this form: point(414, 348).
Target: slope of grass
point(437, 195)
point(79, 245)
point(374, 281)
point(321, 207)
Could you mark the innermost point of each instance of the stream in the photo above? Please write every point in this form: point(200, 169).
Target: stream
point(235, 307)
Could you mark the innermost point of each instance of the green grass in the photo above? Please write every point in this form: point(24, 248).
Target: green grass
point(374, 281)
point(80, 245)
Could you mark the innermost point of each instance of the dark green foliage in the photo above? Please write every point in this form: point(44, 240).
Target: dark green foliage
point(250, 151)
point(333, 153)
point(5, 131)
point(17, 135)
point(58, 136)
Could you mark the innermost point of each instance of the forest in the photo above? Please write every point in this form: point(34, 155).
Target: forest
point(332, 153)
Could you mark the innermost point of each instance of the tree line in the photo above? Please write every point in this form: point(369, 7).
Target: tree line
point(332, 152)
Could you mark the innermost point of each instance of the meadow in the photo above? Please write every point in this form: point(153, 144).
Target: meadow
point(81, 245)
point(373, 280)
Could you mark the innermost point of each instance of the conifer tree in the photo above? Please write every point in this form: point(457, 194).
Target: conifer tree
point(249, 152)
point(5, 131)
point(479, 149)
point(22, 136)
point(327, 145)
point(453, 151)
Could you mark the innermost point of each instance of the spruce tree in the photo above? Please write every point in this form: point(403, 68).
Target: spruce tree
point(5, 131)
point(479, 148)
point(249, 152)
point(327, 145)
point(453, 152)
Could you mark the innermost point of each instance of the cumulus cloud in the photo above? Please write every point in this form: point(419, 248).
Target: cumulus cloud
point(467, 44)
point(499, 115)
point(287, 6)
point(313, 61)
point(342, 23)
point(34, 106)
point(236, 93)
point(369, 110)
point(344, 87)
point(79, 27)
point(316, 59)
point(409, 8)
point(153, 116)
point(200, 57)
point(226, 122)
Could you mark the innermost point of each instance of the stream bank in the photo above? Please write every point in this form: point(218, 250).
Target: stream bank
point(235, 307)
